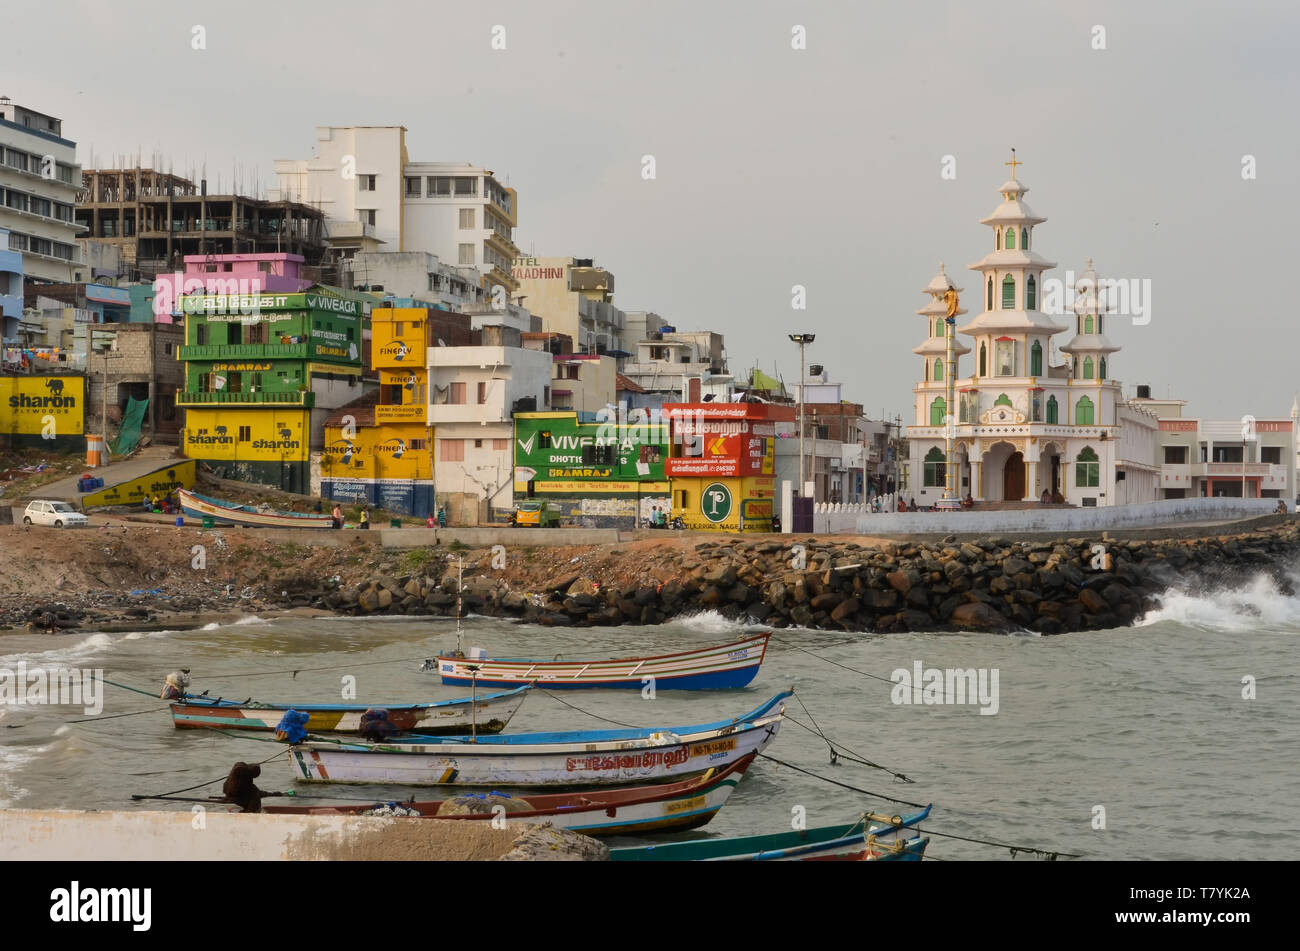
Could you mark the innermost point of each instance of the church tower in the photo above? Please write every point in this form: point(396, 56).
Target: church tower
point(931, 398)
point(1090, 349)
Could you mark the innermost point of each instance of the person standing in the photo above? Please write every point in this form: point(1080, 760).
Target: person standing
point(337, 515)
point(365, 518)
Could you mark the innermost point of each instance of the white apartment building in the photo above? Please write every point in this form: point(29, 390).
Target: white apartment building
point(572, 296)
point(1249, 456)
point(473, 392)
point(39, 179)
point(376, 199)
point(417, 275)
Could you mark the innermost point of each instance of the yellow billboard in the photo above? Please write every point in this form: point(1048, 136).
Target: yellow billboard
point(179, 475)
point(47, 406)
point(397, 451)
point(397, 336)
point(247, 435)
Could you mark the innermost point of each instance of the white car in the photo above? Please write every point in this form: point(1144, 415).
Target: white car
point(58, 514)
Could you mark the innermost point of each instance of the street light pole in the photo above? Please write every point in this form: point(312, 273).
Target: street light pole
point(802, 340)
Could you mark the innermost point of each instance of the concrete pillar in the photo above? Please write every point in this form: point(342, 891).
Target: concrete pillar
point(1031, 481)
point(787, 506)
point(977, 480)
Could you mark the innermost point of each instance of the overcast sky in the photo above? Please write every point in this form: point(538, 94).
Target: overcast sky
point(774, 166)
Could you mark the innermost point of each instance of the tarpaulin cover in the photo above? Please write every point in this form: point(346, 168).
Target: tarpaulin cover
point(129, 434)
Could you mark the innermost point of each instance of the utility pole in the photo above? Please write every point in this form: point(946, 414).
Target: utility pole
point(802, 340)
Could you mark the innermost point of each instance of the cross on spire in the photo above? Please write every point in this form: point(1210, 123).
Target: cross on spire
point(1013, 163)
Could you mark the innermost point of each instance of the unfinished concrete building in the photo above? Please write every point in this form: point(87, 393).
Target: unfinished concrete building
point(156, 218)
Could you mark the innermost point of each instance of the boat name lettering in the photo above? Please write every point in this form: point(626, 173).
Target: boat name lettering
point(738, 655)
point(628, 761)
point(683, 805)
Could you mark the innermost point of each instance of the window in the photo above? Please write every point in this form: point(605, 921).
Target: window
point(201, 335)
point(1008, 293)
point(482, 392)
point(1024, 239)
point(1011, 239)
point(366, 183)
point(500, 445)
point(419, 445)
point(936, 468)
point(1175, 455)
point(451, 450)
point(245, 433)
point(544, 439)
point(478, 444)
point(366, 216)
point(1006, 358)
point(988, 304)
point(938, 369)
point(466, 255)
point(466, 219)
point(1053, 414)
point(1036, 406)
point(466, 185)
point(1227, 453)
point(1083, 412)
point(938, 328)
point(983, 360)
point(997, 240)
point(1271, 455)
point(938, 410)
point(412, 186)
point(1087, 470)
point(1087, 325)
point(457, 393)
point(1087, 368)
point(1101, 373)
point(1031, 293)
point(437, 185)
point(1036, 357)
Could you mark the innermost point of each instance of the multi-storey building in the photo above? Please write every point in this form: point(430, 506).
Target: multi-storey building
point(473, 395)
point(682, 366)
point(262, 373)
point(1249, 457)
point(572, 296)
point(376, 199)
point(39, 178)
point(157, 219)
point(11, 291)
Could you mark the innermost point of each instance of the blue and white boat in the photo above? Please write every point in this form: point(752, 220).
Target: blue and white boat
point(572, 758)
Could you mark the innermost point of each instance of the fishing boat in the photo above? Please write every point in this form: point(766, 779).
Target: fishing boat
point(726, 665)
point(629, 811)
point(872, 838)
point(230, 513)
point(573, 758)
point(485, 713)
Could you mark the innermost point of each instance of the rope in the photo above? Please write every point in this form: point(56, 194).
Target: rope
point(201, 785)
point(116, 715)
point(144, 693)
point(1014, 849)
point(834, 662)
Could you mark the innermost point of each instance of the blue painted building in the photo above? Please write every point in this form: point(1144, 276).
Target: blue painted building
point(11, 289)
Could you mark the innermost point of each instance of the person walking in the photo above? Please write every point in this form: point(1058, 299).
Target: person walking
point(365, 518)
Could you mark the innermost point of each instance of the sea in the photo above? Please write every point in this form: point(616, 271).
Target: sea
point(1173, 738)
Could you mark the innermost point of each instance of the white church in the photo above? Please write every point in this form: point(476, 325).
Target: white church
point(1025, 420)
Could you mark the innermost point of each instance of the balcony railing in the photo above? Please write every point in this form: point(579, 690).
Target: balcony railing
point(307, 399)
point(244, 351)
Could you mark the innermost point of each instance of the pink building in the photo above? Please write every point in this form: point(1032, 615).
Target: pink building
point(239, 274)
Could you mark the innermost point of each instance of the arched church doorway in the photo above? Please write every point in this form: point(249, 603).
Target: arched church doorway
point(1013, 477)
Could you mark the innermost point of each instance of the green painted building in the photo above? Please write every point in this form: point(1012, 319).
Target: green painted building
point(607, 474)
point(262, 373)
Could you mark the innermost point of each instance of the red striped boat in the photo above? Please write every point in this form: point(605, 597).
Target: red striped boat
point(709, 668)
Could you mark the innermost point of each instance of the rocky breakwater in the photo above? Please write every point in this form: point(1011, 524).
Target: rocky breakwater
point(986, 583)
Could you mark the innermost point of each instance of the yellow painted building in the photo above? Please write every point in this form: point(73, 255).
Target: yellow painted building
point(43, 410)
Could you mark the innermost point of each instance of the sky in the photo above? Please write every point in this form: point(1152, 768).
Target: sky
point(1158, 138)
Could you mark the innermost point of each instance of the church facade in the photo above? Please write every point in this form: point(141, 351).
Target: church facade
point(1024, 419)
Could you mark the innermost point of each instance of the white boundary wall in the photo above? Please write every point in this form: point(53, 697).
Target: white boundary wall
point(1047, 519)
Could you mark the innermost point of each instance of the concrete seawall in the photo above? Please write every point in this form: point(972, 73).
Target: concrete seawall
point(1070, 521)
point(50, 835)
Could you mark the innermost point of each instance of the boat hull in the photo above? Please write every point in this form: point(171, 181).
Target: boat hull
point(198, 506)
point(723, 667)
point(879, 838)
point(514, 761)
point(487, 713)
point(674, 807)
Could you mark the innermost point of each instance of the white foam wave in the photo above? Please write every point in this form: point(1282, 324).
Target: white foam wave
point(13, 758)
point(63, 655)
point(709, 622)
point(1256, 605)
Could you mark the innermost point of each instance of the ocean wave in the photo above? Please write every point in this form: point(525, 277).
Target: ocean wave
point(1259, 604)
point(61, 655)
point(710, 622)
